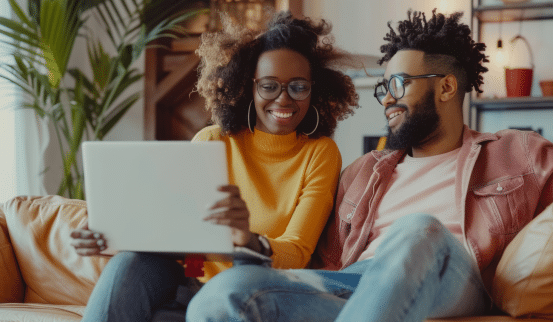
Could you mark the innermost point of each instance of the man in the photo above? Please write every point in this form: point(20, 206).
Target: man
point(419, 228)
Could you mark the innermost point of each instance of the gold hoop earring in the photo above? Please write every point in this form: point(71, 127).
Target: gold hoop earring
point(249, 124)
point(316, 125)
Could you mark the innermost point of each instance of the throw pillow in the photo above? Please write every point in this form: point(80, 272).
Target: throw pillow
point(523, 283)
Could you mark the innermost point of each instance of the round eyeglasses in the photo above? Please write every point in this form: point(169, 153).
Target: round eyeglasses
point(396, 86)
point(270, 89)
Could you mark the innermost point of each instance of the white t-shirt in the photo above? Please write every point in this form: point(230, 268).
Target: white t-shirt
point(419, 185)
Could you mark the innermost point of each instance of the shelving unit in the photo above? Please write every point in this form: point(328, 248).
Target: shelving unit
point(514, 12)
point(527, 11)
point(479, 105)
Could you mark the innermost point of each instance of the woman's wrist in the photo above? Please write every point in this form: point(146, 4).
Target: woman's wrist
point(254, 243)
point(265, 245)
point(260, 244)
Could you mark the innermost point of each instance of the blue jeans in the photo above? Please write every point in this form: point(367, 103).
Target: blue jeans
point(138, 287)
point(419, 271)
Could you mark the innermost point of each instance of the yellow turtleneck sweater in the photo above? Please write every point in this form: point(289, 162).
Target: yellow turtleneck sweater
point(288, 183)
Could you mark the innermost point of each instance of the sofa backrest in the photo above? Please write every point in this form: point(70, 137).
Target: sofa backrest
point(11, 284)
point(52, 271)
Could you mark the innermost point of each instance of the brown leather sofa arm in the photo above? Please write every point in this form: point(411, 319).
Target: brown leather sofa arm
point(52, 272)
point(11, 283)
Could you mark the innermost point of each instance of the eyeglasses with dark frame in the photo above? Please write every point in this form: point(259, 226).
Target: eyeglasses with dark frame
point(270, 89)
point(396, 86)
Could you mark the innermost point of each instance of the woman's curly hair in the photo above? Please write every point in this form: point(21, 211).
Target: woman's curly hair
point(441, 39)
point(229, 60)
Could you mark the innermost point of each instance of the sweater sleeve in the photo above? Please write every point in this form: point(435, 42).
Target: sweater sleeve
point(208, 133)
point(293, 249)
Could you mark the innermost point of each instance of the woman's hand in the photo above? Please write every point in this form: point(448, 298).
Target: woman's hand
point(87, 242)
point(232, 211)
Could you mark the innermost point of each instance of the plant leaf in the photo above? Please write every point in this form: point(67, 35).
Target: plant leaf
point(59, 25)
point(116, 114)
point(89, 86)
point(100, 62)
point(19, 13)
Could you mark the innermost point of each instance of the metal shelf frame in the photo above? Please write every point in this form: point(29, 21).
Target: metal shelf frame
point(514, 12)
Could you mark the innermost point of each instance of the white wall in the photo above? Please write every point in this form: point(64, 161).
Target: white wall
point(7, 124)
point(360, 25)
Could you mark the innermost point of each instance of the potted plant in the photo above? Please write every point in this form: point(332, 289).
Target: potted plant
point(82, 107)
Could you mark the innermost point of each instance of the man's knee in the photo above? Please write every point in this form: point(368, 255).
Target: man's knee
point(235, 279)
point(211, 303)
point(414, 231)
point(418, 224)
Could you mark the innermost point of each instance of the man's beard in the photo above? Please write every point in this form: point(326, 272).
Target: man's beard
point(417, 127)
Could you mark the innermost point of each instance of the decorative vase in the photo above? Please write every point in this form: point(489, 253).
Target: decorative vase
point(518, 81)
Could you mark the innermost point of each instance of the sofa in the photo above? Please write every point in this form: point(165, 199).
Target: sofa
point(43, 279)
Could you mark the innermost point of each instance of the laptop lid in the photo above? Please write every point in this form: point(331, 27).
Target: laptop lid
point(152, 195)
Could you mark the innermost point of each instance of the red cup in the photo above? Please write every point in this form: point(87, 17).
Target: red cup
point(518, 81)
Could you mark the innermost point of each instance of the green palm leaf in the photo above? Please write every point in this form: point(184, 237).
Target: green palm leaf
point(59, 25)
point(20, 14)
point(116, 114)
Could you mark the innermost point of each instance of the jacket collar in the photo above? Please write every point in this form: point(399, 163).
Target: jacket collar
point(474, 137)
point(391, 158)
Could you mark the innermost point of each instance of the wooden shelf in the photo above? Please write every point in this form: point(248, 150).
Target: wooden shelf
point(513, 103)
point(514, 12)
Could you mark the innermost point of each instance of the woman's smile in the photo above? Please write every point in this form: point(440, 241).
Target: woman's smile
point(281, 115)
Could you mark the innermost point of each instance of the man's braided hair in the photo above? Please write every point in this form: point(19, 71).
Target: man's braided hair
point(447, 44)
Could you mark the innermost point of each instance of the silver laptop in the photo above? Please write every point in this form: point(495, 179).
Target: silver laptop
point(151, 196)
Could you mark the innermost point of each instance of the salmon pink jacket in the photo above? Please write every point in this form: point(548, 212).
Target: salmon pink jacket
point(502, 182)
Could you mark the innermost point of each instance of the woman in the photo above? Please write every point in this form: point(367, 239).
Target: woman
point(275, 99)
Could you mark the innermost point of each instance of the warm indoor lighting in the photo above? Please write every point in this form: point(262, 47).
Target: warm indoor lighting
point(248, 13)
point(501, 57)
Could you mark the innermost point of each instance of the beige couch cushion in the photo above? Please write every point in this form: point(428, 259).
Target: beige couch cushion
point(11, 285)
point(30, 312)
point(39, 230)
point(523, 284)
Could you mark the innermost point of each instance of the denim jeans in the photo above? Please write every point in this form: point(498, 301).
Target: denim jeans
point(419, 271)
point(138, 287)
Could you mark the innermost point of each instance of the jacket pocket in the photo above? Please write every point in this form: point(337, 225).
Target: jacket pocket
point(505, 201)
point(346, 210)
